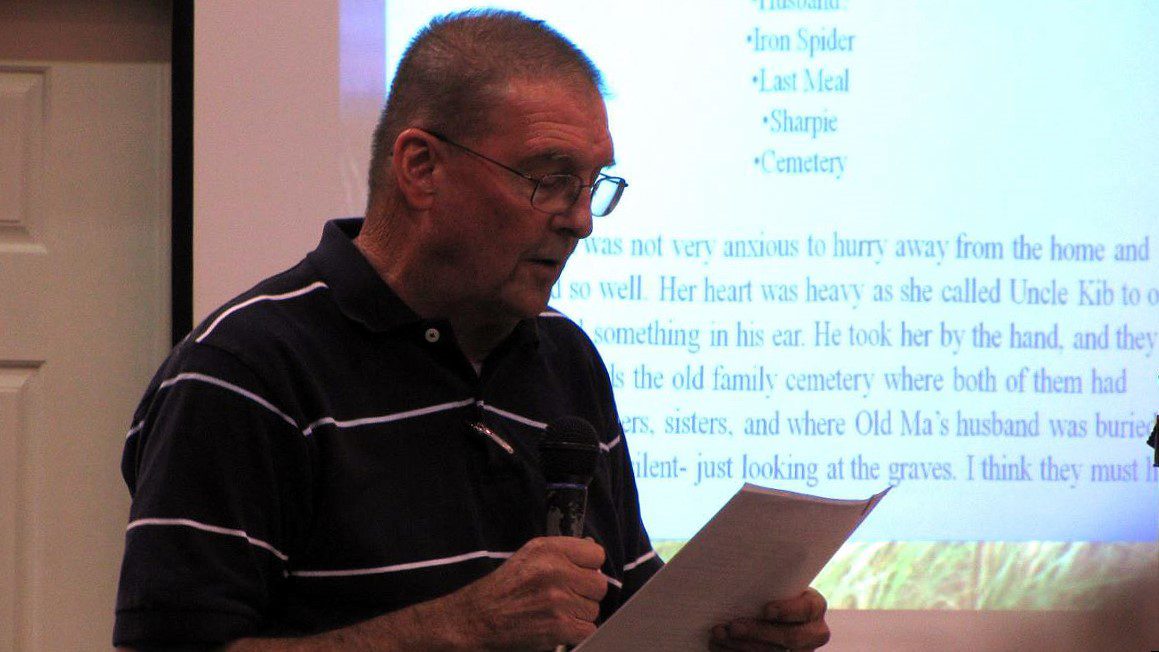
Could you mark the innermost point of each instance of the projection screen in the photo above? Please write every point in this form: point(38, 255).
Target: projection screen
point(864, 244)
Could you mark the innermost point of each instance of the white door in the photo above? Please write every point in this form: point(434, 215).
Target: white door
point(84, 211)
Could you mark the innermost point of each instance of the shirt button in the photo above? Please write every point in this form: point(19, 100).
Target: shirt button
point(432, 335)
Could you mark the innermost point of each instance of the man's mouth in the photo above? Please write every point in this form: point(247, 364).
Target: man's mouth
point(547, 262)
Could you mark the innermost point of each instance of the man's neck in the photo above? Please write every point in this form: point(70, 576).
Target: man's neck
point(478, 340)
point(477, 334)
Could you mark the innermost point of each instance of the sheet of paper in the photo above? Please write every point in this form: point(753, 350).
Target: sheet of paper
point(764, 544)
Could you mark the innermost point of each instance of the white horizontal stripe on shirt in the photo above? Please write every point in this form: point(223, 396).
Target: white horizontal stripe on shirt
point(643, 558)
point(190, 375)
point(514, 417)
point(539, 424)
point(386, 418)
point(444, 561)
point(205, 527)
point(261, 297)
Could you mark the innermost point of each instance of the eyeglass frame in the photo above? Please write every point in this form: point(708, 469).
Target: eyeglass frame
point(620, 182)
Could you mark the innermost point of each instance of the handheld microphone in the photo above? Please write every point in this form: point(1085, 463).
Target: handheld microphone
point(568, 451)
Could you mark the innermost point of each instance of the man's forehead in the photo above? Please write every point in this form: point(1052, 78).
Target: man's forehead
point(555, 120)
point(571, 87)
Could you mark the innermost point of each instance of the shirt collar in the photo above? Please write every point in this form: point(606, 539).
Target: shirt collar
point(360, 292)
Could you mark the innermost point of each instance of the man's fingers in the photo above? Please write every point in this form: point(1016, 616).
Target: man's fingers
point(807, 607)
point(745, 646)
point(721, 643)
point(756, 634)
point(578, 631)
point(585, 553)
point(590, 584)
point(585, 610)
point(541, 594)
point(577, 561)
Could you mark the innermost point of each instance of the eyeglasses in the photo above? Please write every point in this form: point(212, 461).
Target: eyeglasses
point(557, 193)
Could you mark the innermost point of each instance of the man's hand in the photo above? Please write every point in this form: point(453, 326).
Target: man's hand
point(547, 593)
point(794, 624)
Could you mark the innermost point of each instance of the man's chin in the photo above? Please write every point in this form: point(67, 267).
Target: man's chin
point(535, 310)
point(529, 306)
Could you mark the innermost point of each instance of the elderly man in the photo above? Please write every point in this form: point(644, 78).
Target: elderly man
point(345, 457)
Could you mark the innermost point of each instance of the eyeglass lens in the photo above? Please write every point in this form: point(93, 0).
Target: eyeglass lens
point(605, 195)
point(557, 192)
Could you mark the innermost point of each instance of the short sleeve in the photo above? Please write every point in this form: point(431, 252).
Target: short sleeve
point(220, 480)
point(641, 561)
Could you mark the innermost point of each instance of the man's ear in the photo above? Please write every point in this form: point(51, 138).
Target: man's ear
point(413, 165)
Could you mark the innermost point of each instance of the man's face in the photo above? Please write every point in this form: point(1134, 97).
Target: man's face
point(508, 255)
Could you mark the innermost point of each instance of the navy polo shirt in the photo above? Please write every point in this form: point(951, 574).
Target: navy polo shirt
point(315, 454)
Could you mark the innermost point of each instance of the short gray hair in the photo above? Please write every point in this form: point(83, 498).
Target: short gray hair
point(454, 68)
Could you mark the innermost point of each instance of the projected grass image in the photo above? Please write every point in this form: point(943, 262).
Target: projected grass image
point(974, 575)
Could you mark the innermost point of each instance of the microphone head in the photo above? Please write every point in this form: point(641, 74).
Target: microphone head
point(569, 450)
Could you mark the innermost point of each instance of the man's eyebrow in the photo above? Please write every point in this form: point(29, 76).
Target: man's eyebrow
point(557, 156)
point(550, 156)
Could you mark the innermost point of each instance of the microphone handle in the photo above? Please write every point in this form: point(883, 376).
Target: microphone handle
point(566, 504)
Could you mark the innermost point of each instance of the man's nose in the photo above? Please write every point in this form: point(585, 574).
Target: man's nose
point(576, 220)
